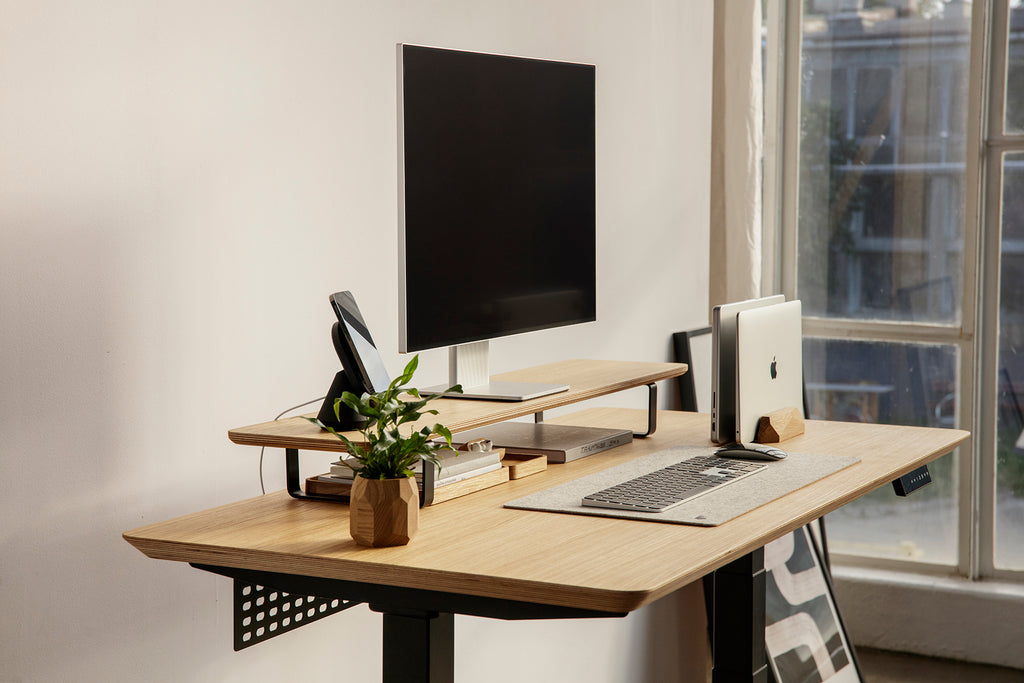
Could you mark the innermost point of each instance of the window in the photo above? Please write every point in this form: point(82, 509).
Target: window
point(1009, 485)
point(908, 254)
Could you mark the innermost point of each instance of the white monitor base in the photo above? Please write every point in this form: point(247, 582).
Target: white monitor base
point(468, 366)
point(501, 391)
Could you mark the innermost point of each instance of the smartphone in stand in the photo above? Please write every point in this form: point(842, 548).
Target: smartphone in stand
point(355, 347)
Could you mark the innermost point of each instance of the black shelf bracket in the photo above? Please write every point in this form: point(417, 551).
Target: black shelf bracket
point(291, 467)
point(652, 412)
point(294, 482)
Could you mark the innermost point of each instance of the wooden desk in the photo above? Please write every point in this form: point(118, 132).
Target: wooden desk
point(473, 556)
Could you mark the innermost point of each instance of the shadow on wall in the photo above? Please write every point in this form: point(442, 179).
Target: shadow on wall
point(675, 638)
point(77, 469)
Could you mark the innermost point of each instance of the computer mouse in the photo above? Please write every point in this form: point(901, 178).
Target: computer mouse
point(751, 451)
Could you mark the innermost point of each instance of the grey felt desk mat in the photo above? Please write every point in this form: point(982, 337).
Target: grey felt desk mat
point(711, 509)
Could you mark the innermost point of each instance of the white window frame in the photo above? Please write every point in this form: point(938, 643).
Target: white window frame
point(977, 352)
point(995, 144)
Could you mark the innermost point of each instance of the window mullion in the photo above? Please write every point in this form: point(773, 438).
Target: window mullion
point(988, 369)
point(774, 140)
point(974, 532)
point(991, 121)
point(789, 146)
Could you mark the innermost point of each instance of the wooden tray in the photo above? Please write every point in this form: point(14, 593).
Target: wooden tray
point(521, 465)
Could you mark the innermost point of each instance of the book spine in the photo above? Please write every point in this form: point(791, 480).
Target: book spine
point(453, 466)
point(467, 475)
point(444, 481)
point(596, 446)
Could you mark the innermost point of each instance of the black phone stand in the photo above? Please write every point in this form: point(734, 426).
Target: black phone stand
point(350, 419)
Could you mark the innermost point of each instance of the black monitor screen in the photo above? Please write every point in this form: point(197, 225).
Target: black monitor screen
point(497, 165)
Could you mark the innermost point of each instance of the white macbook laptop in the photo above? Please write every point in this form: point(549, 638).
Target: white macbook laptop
point(723, 365)
point(769, 364)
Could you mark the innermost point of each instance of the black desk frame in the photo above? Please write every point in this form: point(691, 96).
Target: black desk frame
point(419, 624)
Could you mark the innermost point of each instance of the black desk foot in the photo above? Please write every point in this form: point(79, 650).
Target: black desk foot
point(419, 647)
point(737, 621)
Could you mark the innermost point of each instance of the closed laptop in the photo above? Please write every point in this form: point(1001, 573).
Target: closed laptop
point(769, 364)
point(723, 364)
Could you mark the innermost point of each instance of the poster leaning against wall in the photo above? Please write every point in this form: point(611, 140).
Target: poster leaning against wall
point(804, 633)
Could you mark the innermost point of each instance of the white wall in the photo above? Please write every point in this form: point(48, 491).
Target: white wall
point(182, 184)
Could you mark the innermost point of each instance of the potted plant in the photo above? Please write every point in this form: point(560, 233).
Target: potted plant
point(384, 501)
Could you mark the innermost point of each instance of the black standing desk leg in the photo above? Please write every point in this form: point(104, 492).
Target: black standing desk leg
point(739, 619)
point(419, 647)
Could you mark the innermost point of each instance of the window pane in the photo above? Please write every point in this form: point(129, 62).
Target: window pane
point(1015, 70)
point(883, 102)
point(890, 383)
point(1009, 527)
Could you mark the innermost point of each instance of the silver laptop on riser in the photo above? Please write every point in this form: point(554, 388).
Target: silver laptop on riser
point(723, 365)
point(769, 364)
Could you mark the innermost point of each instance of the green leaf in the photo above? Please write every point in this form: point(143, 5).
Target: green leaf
point(386, 453)
point(441, 430)
point(410, 368)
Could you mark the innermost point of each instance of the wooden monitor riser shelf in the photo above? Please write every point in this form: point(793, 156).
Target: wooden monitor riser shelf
point(587, 379)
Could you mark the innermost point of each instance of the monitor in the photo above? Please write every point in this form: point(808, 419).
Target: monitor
point(496, 203)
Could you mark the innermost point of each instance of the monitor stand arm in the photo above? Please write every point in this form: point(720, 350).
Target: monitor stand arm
point(468, 366)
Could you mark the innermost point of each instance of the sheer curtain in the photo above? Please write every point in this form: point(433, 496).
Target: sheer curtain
point(736, 148)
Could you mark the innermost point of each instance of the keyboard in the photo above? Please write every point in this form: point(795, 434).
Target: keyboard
point(665, 488)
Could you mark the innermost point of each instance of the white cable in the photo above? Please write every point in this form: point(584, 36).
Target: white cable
point(263, 489)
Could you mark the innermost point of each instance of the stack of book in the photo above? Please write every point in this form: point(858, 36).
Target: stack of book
point(461, 472)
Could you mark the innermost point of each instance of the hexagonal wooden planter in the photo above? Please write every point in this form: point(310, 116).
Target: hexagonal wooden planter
point(384, 512)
